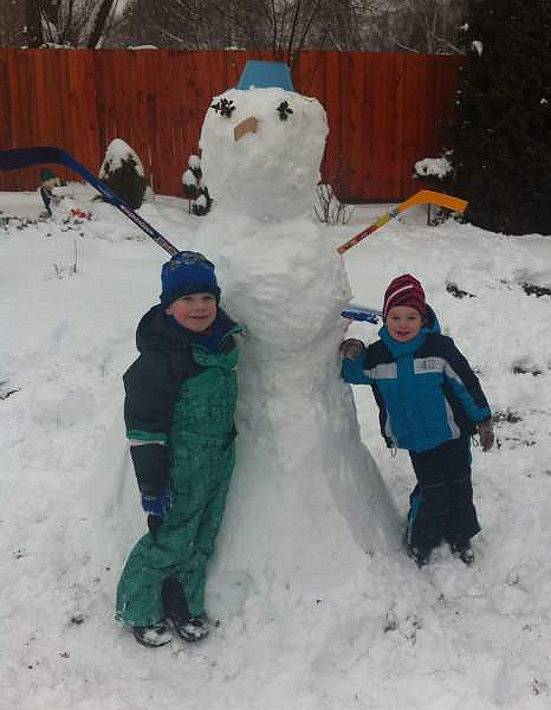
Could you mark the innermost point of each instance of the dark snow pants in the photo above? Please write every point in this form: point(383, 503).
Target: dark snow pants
point(441, 504)
point(184, 542)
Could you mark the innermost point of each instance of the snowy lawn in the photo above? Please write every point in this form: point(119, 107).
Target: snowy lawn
point(443, 638)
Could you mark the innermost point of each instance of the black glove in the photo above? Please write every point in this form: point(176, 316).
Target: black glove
point(486, 434)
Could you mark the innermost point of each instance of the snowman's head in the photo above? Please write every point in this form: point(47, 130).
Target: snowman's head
point(261, 151)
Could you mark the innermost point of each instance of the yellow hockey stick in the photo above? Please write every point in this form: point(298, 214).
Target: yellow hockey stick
point(423, 197)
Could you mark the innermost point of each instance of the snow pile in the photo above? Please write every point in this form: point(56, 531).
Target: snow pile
point(392, 636)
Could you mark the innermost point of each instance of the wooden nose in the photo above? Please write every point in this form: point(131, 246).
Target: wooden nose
point(248, 125)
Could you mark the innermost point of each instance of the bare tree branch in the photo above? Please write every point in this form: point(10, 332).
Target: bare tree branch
point(302, 40)
point(33, 23)
point(293, 28)
point(100, 23)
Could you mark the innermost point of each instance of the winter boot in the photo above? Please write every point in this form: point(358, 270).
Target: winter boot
point(195, 629)
point(152, 636)
point(463, 551)
point(421, 556)
point(189, 628)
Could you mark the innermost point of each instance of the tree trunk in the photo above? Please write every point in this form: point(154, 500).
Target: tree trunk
point(98, 30)
point(33, 22)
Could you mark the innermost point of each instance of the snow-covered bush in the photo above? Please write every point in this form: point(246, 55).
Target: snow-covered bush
point(435, 174)
point(197, 194)
point(434, 170)
point(328, 208)
point(190, 187)
point(123, 172)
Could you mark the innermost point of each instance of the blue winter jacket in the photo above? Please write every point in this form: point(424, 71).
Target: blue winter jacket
point(425, 389)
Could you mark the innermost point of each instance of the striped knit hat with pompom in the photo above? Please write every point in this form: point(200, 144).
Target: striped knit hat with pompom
point(405, 290)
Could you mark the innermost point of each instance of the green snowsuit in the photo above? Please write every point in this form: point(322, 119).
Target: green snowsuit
point(179, 408)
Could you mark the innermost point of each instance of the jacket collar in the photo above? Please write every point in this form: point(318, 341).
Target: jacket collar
point(398, 349)
point(154, 330)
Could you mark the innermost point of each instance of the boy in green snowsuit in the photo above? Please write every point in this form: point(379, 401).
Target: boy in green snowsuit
point(179, 408)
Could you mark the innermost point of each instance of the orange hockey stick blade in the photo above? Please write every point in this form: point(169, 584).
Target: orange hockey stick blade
point(425, 197)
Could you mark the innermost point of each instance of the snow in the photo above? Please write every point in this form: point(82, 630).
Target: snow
point(438, 638)
point(356, 624)
point(478, 47)
point(296, 419)
point(188, 178)
point(437, 167)
point(289, 148)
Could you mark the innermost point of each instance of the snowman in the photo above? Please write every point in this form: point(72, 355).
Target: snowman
point(307, 502)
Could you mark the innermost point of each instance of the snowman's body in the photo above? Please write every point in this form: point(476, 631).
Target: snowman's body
point(307, 502)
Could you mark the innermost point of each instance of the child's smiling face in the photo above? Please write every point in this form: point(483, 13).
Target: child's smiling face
point(196, 311)
point(403, 323)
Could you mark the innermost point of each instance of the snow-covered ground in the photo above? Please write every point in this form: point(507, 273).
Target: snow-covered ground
point(443, 638)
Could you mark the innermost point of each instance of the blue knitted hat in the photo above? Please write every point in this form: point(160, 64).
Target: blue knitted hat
point(187, 272)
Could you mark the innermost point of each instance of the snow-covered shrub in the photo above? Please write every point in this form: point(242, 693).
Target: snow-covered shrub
point(328, 208)
point(435, 170)
point(203, 203)
point(435, 174)
point(123, 172)
point(197, 194)
point(190, 187)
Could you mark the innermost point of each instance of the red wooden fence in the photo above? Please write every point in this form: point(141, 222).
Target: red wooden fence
point(384, 109)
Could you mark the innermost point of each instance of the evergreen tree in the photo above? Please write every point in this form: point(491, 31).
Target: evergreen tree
point(123, 172)
point(501, 138)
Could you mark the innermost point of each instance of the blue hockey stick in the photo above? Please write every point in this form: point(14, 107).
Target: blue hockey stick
point(362, 313)
point(17, 158)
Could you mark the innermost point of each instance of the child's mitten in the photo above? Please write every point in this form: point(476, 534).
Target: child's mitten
point(351, 347)
point(156, 507)
point(486, 434)
point(157, 504)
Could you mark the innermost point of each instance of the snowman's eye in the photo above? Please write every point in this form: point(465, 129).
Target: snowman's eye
point(284, 110)
point(225, 107)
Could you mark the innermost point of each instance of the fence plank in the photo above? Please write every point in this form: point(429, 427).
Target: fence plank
point(385, 110)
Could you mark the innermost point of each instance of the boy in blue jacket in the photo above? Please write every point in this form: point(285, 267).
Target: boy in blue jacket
point(430, 403)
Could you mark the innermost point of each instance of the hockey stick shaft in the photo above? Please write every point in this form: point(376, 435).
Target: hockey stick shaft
point(422, 197)
point(25, 157)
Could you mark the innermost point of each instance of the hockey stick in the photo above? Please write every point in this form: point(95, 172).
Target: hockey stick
point(362, 313)
point(25, 157)
point(422, 197)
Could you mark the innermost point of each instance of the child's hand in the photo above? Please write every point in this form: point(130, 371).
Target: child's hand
point(486, 434)
point(351, 348)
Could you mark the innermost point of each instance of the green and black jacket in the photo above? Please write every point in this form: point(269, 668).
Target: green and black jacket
point(155, 387)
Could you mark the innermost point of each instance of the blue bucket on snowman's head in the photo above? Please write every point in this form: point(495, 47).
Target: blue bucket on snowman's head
point(258, 74)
